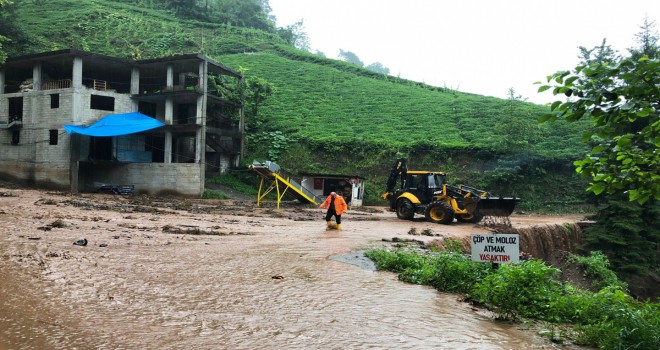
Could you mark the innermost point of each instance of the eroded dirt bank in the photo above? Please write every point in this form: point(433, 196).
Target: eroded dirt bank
point(164, 273)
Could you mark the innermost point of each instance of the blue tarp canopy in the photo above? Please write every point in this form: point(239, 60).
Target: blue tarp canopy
point(116, 125)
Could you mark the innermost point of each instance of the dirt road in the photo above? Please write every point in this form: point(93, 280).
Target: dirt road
point(102, 271)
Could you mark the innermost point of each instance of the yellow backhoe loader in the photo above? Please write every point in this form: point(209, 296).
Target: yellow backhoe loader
point(427, 193)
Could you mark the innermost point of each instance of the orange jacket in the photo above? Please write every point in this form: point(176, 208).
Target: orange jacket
point(340, 204)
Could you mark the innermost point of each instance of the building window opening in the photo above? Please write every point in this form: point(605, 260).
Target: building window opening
point(52, 137)
point(100, 148)
point(104, 103)
point(54, 101)
point(147, 108)
point(15, 137)
point(156, 145)
point(15, 109)
point(186, 113)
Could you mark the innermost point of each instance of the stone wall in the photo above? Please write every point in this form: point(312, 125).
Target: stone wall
point(182, 179)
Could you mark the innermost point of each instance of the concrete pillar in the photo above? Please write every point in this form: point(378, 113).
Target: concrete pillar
point(169, 110)
point(168, 147)
point(135, 87)
point(170, 77)
point(241, 129)
point(201, 101)
point(169, 114)
point(2, 81)
point(135, 81)
point(77, 75)
point(203, 69)
point(169, 103)
point(74, 153)
point(36, 77)
point(200, 151)
point(76, 83)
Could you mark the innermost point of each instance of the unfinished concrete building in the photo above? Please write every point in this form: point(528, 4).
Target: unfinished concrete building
point(202, 133)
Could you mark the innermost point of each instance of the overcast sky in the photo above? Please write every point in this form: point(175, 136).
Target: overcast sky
point(479, 46)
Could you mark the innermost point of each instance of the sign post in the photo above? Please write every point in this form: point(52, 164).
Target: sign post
point(496, 248)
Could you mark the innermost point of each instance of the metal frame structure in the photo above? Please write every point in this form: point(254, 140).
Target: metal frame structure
point(270, 172)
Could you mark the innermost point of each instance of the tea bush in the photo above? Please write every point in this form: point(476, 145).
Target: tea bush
point(618, 322)
point(596, 267)
point(525, 289)
point(457, 272)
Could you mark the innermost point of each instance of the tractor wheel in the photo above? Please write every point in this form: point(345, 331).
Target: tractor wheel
point(439, 213)
point(471, 218)
point(405, 209)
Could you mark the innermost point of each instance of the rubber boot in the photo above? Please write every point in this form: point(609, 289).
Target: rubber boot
point(328, 223)
point(338, 226)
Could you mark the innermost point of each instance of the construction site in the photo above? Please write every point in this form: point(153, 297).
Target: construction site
point(78, 121)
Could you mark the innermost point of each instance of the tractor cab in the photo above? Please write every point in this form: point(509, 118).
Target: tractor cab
point(423, 184)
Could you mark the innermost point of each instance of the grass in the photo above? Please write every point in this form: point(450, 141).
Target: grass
point(214, 194)
point(243, 183)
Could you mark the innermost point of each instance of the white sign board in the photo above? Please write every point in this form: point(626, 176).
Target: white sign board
point(495, 247)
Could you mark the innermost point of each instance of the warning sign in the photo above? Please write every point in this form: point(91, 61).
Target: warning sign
point(498, 248)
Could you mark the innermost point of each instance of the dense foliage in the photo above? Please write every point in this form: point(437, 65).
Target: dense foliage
point(627, 232)
point(608, 318)
point(241, 13)
point(621, 97)
point(622, 101)
point(7, 25)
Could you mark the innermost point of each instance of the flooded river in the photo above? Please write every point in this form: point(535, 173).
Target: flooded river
point(266, 282)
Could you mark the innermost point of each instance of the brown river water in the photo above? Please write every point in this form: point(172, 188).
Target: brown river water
point(255, 279)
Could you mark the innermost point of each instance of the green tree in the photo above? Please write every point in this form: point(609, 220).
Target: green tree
point(517, 127)
point(350, 57)
point(186, 8)
point(599, 54)
point(378, 68)
point(647, 39)
point(622, 99)
point(295, 35)
point(6, 25)
point(257, 90)
point(245, 13)
point(627, 232)
point(620, 95)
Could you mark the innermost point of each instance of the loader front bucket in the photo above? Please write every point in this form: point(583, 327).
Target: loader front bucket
point(496, 206)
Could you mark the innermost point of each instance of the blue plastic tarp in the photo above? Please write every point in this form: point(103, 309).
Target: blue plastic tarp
point(116, 125)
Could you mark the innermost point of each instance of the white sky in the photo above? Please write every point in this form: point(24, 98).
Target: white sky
point(478, 46)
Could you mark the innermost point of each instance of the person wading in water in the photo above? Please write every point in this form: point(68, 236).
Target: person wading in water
point(336, 207)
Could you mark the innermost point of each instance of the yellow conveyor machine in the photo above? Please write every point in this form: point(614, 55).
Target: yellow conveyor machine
point(274, 178)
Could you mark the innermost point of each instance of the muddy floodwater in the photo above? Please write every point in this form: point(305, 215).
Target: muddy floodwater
point(182, 274)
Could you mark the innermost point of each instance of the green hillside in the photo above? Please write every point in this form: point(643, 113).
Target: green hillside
point(326, 115)
point(324, 103)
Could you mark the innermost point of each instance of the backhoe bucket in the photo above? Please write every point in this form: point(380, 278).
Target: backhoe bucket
point(496, 206)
